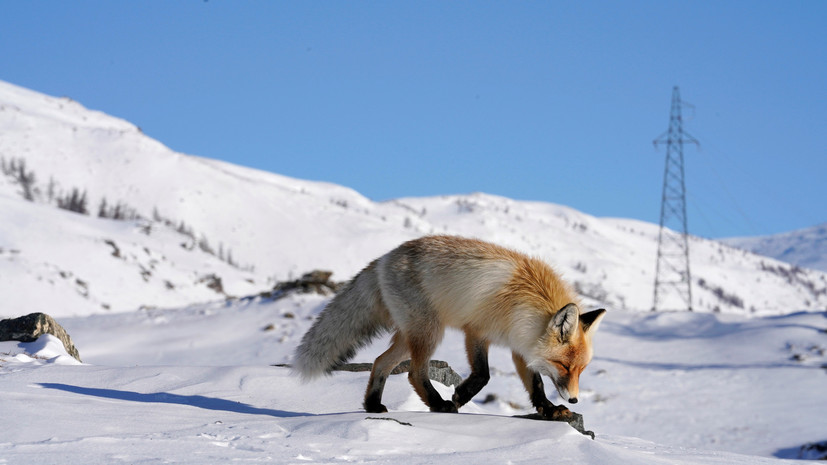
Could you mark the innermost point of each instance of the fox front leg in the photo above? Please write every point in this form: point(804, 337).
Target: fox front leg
point(544, 407)
point(533, 383)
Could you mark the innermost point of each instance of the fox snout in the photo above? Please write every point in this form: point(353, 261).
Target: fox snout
point(563, 388)
point(567, 383)
point(566, 395)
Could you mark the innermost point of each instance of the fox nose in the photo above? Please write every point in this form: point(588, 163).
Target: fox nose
point(573, 400)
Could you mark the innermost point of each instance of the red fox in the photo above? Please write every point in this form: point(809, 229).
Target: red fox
point(494, 295)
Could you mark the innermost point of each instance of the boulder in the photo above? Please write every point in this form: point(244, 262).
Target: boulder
point(28, 328)
point(316, 281)
point(438, 371)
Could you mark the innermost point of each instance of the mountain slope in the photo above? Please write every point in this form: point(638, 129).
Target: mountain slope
point(199, 211)
point(803, 247)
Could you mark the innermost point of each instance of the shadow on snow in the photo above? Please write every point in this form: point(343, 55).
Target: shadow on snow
point(208, 403)
point(665, 326)
point(704, 366)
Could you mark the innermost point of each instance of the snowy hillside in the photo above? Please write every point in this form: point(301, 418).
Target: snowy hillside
point(55, 261)
point(193, 385)
point(806, 247)
point(195, 213)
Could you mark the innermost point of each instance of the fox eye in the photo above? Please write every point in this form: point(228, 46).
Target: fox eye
point(562, 366)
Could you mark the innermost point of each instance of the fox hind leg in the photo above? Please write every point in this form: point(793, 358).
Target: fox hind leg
point(382, 367)
point(422, 347)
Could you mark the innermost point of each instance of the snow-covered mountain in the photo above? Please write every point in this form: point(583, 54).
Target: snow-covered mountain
point(803, 247)
point(209, 229)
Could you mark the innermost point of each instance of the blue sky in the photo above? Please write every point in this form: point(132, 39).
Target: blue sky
point(548, 101)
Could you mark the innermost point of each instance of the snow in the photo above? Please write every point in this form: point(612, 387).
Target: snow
point(73, 264)
point(178, 369)
point(803, 247)
point(194, 385)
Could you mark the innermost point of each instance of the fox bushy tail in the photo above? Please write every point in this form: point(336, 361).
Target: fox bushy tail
point(349, 322)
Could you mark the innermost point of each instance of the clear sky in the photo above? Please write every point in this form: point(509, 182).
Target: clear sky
point(549, 101)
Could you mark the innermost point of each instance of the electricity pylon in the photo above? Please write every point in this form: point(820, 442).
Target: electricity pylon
point(672, 268)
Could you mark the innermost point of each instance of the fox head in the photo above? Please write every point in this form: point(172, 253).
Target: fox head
point(566, 348)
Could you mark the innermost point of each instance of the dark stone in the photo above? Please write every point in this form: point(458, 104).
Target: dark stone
point(28, 328)
point(562, 414)
point(316, 281)
point(438, 370)
point(403, 423)
point(213, 282)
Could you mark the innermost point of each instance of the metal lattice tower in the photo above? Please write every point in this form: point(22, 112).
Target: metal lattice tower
point(672, 269)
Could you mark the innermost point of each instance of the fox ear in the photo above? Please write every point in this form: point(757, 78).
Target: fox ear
point(564, 322)
point(590, 321)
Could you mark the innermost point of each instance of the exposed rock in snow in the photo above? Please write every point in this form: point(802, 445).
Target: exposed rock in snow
point(30, 327)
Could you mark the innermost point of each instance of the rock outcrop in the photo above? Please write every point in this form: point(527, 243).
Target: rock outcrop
point(438, 371)
point(28, 328)
point(316, 281)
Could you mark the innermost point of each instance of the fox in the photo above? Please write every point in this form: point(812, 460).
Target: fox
point(494, 295)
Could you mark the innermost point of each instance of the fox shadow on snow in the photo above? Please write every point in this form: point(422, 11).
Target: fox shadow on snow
point(208, 403)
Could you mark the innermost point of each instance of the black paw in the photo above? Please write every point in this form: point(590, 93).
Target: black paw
point(555, 412)
point(444, 406)
point(375, 408)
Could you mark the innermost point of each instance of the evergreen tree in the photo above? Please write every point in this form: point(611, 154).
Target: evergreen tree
point(102, 213)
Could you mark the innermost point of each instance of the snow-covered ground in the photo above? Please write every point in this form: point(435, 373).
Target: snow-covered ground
point(194, 385)
point(177, 370)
